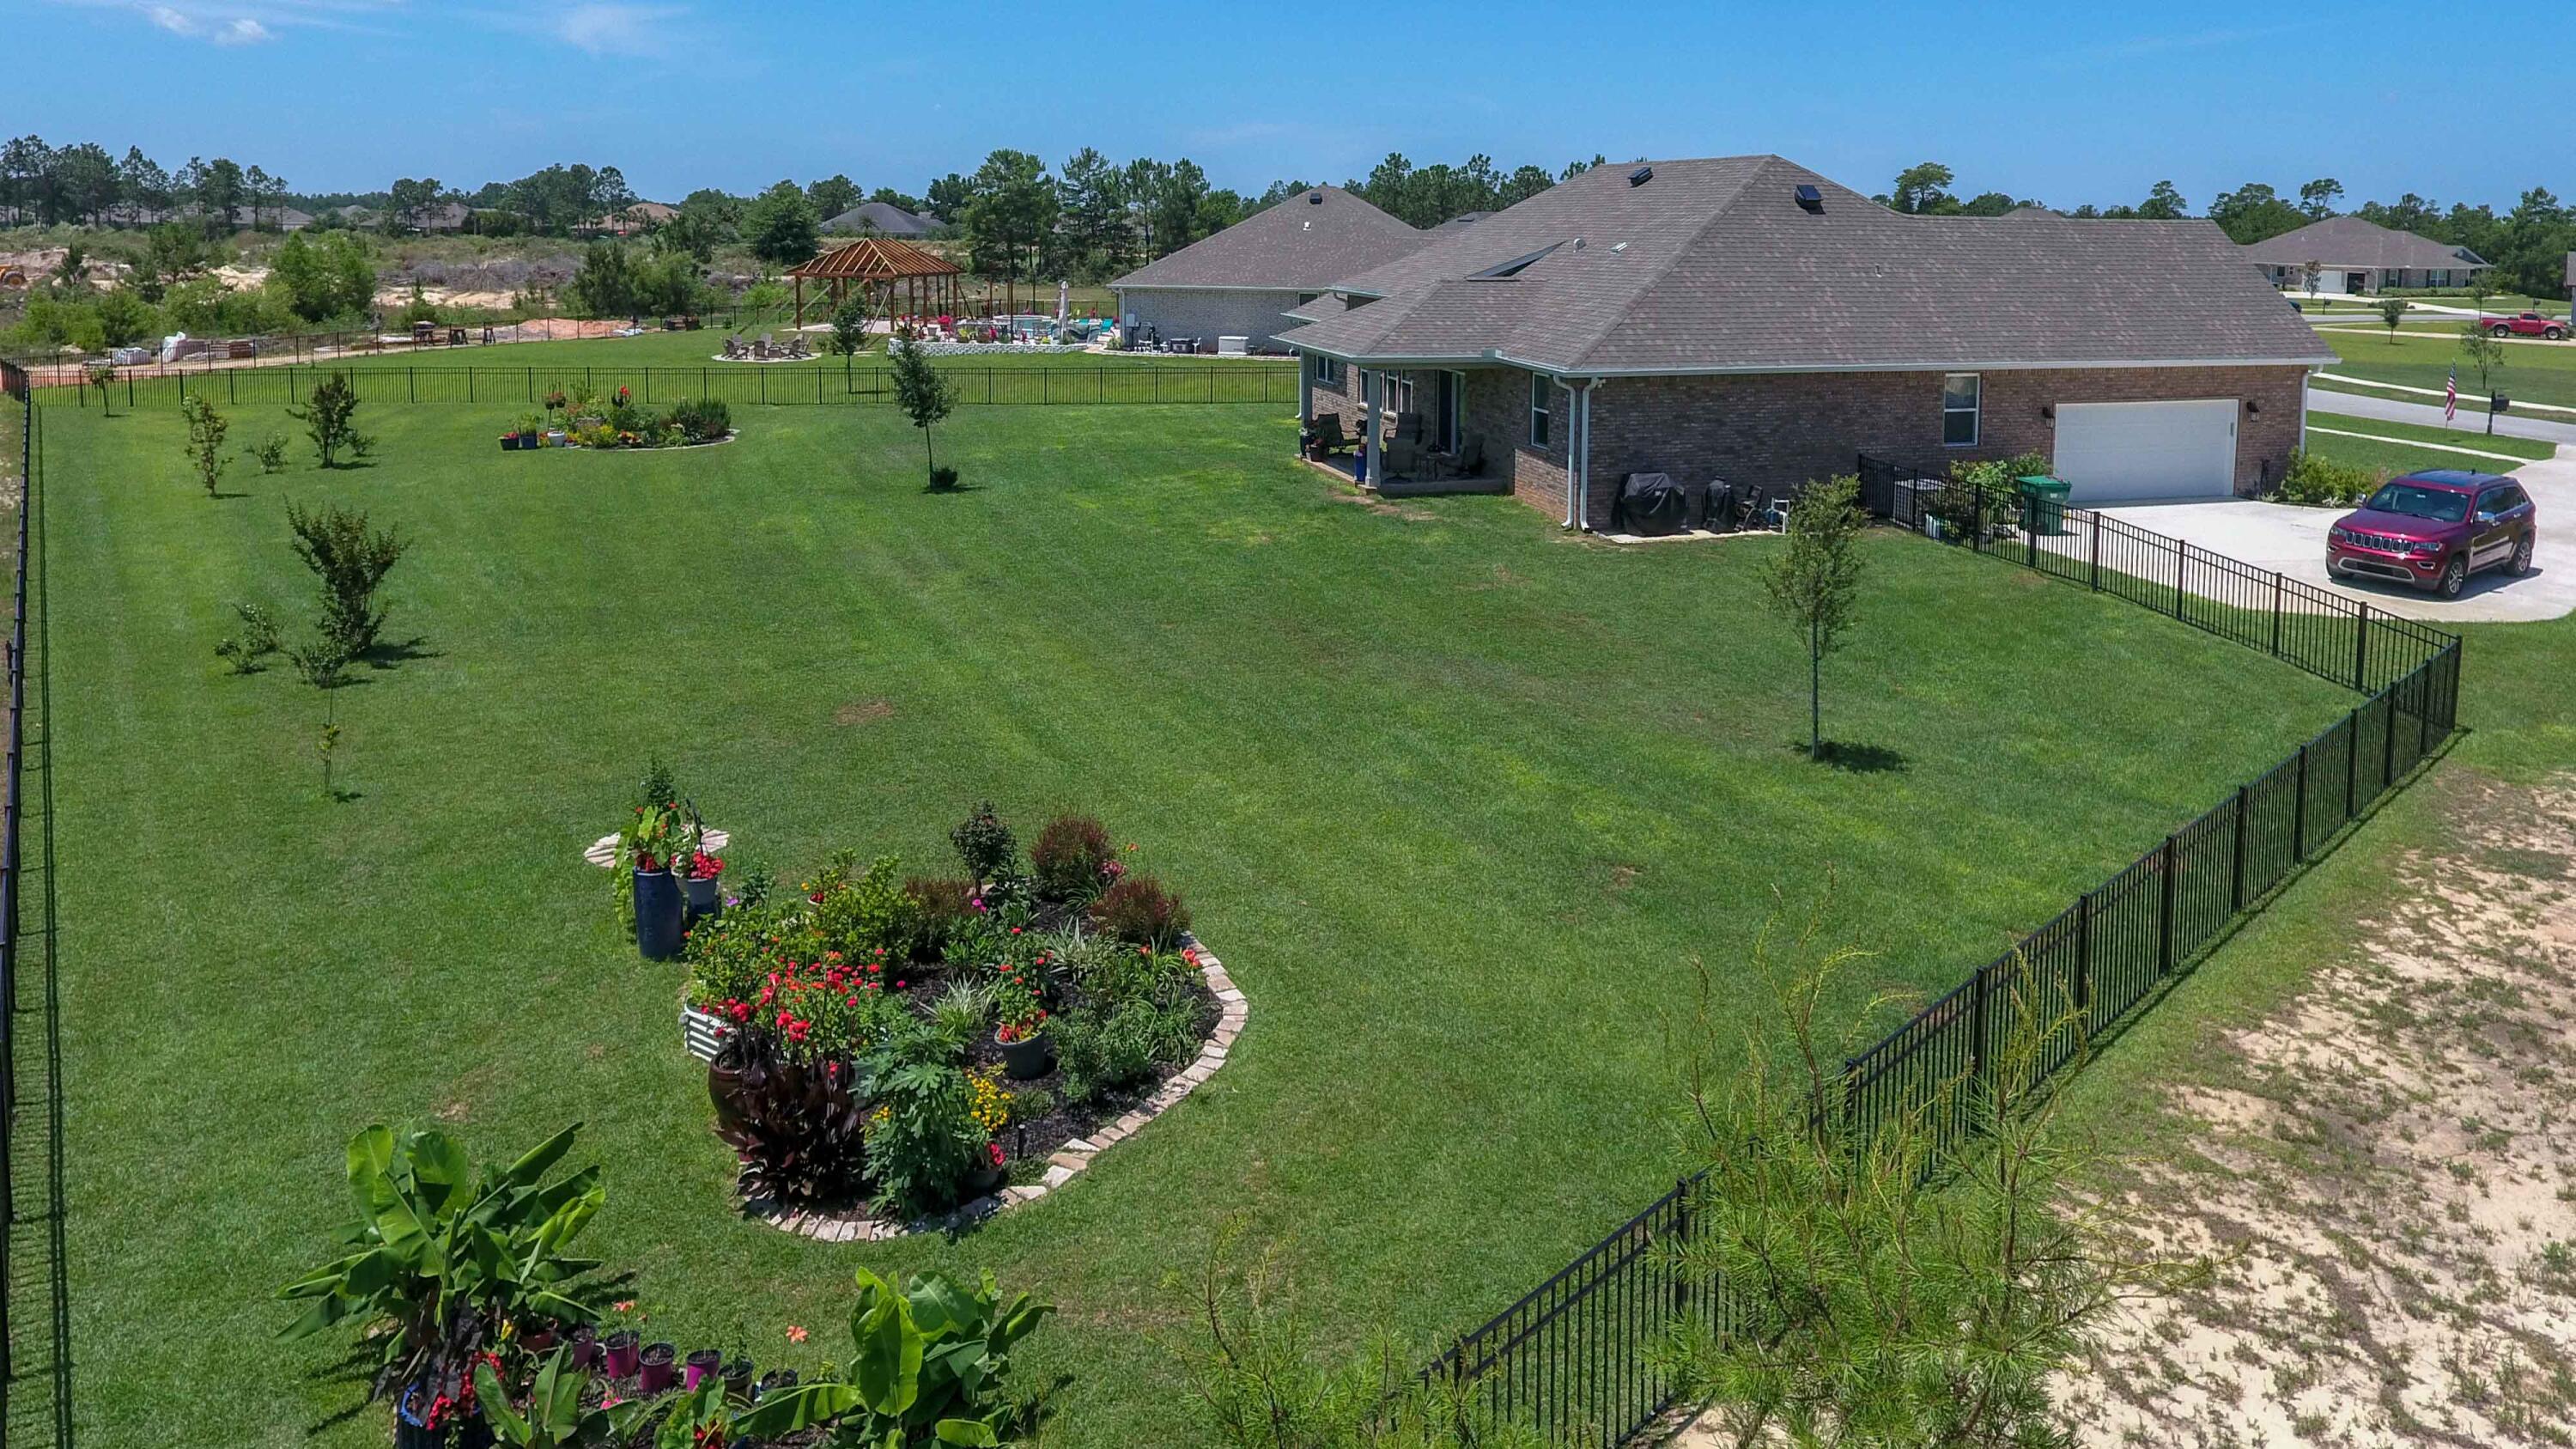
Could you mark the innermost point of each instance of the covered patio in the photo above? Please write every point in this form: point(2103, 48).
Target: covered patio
point(1409, 434)
point(907, 280)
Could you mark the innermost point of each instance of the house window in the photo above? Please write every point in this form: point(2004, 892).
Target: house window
point(1960, 393)
point(1399, 392)
point(1542, 402)
point(1328, 370)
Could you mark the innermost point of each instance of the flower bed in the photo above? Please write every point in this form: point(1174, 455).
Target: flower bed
point(889, 1050)
point(582, 419)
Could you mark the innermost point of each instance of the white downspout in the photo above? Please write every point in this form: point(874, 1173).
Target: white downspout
point(1572, 515)
point(1583, 440)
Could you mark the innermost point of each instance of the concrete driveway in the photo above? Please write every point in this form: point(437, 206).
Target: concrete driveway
point(2292, 540)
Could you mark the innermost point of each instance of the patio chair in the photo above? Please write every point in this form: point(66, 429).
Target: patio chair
point(1324, 436)
point(1409, 425)
point(1404, 459)
point(1467, 462)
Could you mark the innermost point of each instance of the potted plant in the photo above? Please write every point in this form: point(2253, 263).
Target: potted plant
point(1022, 1036)
point(705, 896)
point(509, 442)
point(737, 1375)
point(699, 1367)
point(584, 1342)
point(651, 846)
point(653, 1367)
point(773, 1382)
point(622, 1353)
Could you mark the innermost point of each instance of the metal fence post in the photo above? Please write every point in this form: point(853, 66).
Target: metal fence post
point(2097, 551)
point(2352, 764)
point(1977, 1028)
point(2299, 811)
point(2165, 910)
point(2084, 960)
point(2181, 551)
point(2277, 581)
point(2388, 747)
point(2361, 650)
point(1977, 538)
point(2236, 877)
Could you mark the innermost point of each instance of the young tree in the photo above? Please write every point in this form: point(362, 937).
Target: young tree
point(1875, 1298)
point(1814, 582)
point(330, 418)
point(925, 395)
point(349, 560)
point(850, 332)
point(2485, 353)
point(206, 429)
point(2392, 310)
point(2313, 271)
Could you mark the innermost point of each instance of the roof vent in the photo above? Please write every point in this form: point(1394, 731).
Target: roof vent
point(1641, 175)
point(1619, 247)
point(1314, 198)
point(1810, 199)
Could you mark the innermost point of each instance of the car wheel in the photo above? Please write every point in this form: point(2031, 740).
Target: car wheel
point(2521, 558)
point(2455, 577)
point(2500, 331)
point(2554, 333)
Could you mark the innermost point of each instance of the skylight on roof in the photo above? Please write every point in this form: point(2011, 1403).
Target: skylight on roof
point(1512, 268)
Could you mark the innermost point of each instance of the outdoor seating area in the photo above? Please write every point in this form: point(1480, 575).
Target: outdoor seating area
point(766, 348)
point(1409, 461)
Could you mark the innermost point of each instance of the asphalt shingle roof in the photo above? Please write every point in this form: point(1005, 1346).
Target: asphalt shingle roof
point(2349, 241)
point(884, 218)
point(1300, 245)
point(1712, 265)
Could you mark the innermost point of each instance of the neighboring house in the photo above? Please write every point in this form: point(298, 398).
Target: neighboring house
point(1745, 321)
point(643, 216)
point(2033, 213)
point(446, 216)
point(879, 218)
point(1241, 281)
point(2357, 257)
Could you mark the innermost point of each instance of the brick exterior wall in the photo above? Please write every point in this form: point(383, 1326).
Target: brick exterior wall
point(1776, 431)
point(1209, 315)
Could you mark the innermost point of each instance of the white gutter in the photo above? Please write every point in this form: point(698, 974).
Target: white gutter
point(1583, 440)
point(1497, 357)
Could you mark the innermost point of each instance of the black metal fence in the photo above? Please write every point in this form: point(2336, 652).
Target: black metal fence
point(17, 477)
point(809, 384)
point(1571, 1357)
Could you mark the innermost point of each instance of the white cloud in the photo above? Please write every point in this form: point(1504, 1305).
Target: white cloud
point(243, 22)
point(617, 29)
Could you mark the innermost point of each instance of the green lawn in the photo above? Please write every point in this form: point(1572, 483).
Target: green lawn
point(2467, 435)
point(2532, 373)
point(1457, 799)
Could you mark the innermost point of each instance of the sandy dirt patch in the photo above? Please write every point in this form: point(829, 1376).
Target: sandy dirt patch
point(2391, 1167)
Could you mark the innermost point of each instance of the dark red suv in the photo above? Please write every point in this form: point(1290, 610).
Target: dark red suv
point(2433, 529)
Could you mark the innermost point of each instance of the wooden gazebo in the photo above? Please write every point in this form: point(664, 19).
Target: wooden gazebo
point(926, 281)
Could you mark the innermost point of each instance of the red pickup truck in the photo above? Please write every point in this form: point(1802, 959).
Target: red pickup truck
point(2526, 324)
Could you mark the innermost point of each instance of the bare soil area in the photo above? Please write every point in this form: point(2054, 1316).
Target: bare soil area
point(2388, 1169)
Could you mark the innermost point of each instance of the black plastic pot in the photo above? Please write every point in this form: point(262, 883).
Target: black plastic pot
point(1027, 1058)
point(653, 1368)
point(772, 1382)
point(737, 1379)
point(510, 444)
point(697, 1367)
point(706, 897)
point(657, 914)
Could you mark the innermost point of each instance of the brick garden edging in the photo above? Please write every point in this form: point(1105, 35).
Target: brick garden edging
point(697, 1031)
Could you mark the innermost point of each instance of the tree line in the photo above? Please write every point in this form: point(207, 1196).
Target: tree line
point(84, 182)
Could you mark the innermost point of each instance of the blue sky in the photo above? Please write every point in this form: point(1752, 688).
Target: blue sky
point(2066, 102)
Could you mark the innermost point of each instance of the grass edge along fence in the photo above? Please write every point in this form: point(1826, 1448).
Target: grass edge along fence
point(16, 397)
point(741, 383)
point(1572, 1356)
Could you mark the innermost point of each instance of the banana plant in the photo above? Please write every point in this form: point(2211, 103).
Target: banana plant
point(928, 1366)
point(447, 1255)
point(554, 1418)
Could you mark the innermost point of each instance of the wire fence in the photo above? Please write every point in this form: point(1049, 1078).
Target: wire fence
point(734, 383)
point(1575, 1356)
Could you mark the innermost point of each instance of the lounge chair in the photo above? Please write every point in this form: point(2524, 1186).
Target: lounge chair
point(1324, 436)
point(1405, 459)
point(1409, 426)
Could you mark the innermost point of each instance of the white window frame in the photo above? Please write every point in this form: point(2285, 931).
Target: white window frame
point(1975, 410)
point(1399, 392)
point(1327, 370)
point(1542, 412)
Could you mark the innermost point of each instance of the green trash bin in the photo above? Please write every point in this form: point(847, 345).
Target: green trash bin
point(2044, 499)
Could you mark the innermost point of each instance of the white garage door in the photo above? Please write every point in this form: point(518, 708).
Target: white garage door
point(2117, 452)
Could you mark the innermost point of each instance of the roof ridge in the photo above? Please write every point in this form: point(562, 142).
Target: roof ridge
point(1716, 213)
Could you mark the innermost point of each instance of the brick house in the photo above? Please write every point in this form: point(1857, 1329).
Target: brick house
point(1240, 282)
point(1743, 320)
point(2360, 258)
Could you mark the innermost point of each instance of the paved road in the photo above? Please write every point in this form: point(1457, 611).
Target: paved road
point(2471, 425)
point(2292, 540)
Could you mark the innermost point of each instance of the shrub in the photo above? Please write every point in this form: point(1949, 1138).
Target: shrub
point(799, 1126)
point(931, 1360)
point(1113, 975)
point(350, 561)
point(702, 419)
point(319, 663)
point(2324, 483)
point(1100, 1050)
point(943, 479)
point(330, 416)
point(1071, 858)
point(1137, 909)
point(256, 641)
point(959, 1016)
point(939, 910)
point(984, 844)
point(923, 1139)
point(864, 913)
point(271, 453)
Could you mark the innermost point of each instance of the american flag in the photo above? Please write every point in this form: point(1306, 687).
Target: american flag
point(2451, 396)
